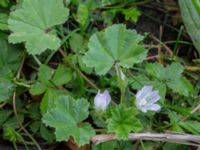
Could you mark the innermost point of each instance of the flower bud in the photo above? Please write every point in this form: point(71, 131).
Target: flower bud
point(102, 100)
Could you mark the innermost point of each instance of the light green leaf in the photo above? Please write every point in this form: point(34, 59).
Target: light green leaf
point(191, 126)
point(62, 75)
point(66, 118)
point(82, 14)
point(3, 21)
point(37, 88)
point(131, 14)
point(34, 23)
point(123, 121)
point(114, 45)
point(4, 3)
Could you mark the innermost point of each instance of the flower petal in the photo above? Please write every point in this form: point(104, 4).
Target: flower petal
point(143, 92)
point(154, 107)
point(153, 97)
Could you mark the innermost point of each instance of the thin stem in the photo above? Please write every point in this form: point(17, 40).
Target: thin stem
point(79, 72)
point(37, 60)
point(15, 109)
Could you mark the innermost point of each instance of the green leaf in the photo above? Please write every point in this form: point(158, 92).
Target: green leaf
point(114, 45)
point(82, 14)
point(45, 73)
point(62, 75)
point(74, 39)
point(181, 85)
point(171, 76)
point(37, 88)
point(50, 96)
point(3, 21)
point(4, 3)
point(123, 121)
point(6, 85)
point(67, 117)
point(191, 19)
point(156, 70)
point(131, 14)
point(34, 22)
point(10, 55)
point(105, 146)
point(191, 126)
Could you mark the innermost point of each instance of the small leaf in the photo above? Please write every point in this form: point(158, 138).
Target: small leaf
point(62, 75)
point(67, 117)
point(34, 22)
point(6, 85)
point(74, 39)
point(45, 74)
point(82, 14)
point(37, 88)
point(114, 45)
point(123, 121)
point(131, 14)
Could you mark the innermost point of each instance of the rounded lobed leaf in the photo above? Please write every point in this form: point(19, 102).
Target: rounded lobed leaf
point(114, 45)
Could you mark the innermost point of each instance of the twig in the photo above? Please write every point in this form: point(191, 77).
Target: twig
point(163, 44)
point(174, 138)
point(79, 71)
point(15, 109)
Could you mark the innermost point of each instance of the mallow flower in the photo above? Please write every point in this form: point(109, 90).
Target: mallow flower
point(102, 100)
point(146, 99)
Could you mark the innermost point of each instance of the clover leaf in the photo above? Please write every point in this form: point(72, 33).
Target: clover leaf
point(123, 121)
point(34, 22)
point(67, 118)
point(114, 45)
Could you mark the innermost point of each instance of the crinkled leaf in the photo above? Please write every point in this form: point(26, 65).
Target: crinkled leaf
point(131, 14)
point(3, 21)
point(34, 22)
point(123, 121)
point(181, 85)
point(66, 118)
point(171, 76)
point(114, 45)
point(62, 75)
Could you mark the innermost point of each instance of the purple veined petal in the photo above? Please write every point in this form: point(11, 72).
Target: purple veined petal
point(102, 100)
point(154, 107)
point(153, 97)
point(143, 92)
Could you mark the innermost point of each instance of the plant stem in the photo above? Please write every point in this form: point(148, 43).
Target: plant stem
point(79, 72)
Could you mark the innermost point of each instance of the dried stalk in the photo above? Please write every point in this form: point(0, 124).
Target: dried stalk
point(174, 138)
